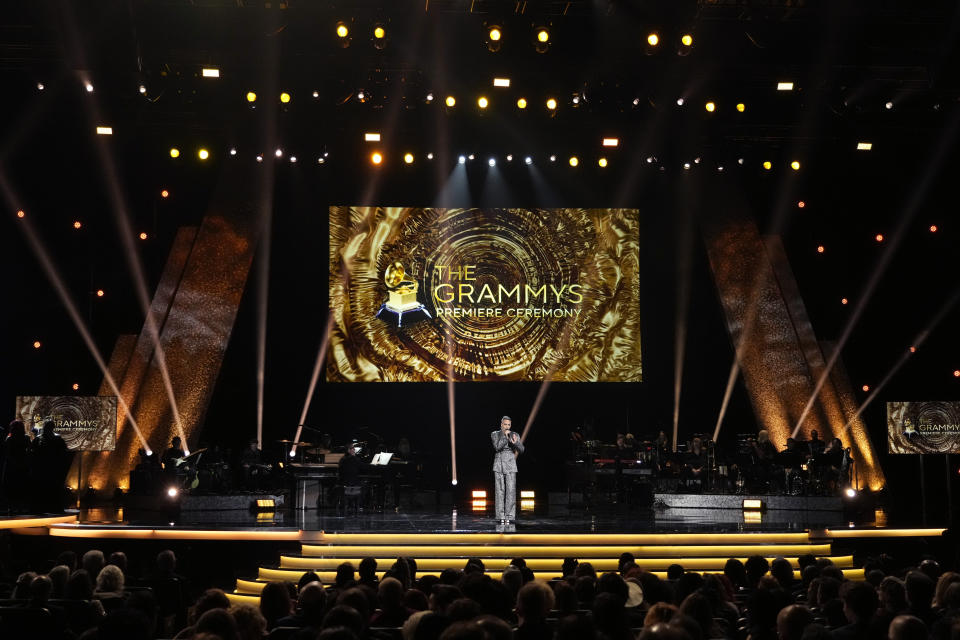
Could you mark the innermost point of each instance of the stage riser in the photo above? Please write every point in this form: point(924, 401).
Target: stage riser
point(810, 505)
point(537, 564)
point(514, 551)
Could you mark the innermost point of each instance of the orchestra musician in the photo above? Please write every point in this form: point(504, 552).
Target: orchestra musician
point(695, 461)
point(506, 447)
point(171, 456)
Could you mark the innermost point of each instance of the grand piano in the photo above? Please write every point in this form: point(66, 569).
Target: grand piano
point(316, 483)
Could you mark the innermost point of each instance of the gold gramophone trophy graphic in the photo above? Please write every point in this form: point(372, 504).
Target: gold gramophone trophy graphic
point(402, 294)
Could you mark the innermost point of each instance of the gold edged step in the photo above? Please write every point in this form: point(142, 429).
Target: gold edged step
point(671, 539)
point(554, 551)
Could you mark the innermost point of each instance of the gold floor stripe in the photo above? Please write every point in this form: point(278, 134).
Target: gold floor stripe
point(133, 533)
point(537, 564)
point(512, 551)
point(883, 533)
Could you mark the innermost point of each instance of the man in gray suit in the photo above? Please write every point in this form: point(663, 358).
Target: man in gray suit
point(506, 447)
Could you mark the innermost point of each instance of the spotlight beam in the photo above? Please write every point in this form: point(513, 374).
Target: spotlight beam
point(928, 174)
point(917, 341)
point(53, 275)
point(684, 269)
point(321, 353)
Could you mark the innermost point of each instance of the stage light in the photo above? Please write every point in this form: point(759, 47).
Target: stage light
point(278, 153)
point(142, 89)
point(653, 39)
point(795, 165)
point(649, 159)
point(430, 156)
point(210, 72)
point(36, 344)
point(40, 86)
point(720, 168)
point(527, 495)
point(740, 161)
point(104, 131)
point(203, 154)
point(408, 158)
point(801, 204)
point(89, 88)
point(767, 165)
point(164, 194)
point(864, 146)
point(361, 96)
point(100, 293)
point(461, 160)
point(528, 160)
point(251, 96)
point(342, 31)
point(320, 160)
point(233, 151)
point(174, 152)
point(521, 103)
point(76, 224)
point(851, 492)
point(371, 137)
point(878, 237)
point(284, 97)
point(543, 36)
point(574, 161)
point(865, 388)
point(429, 97)
point(686, 166)
point(293, 158)
point(293, 454)
point(821, 249)
point(933, 228)
point(20, 213)
point(752, 504)
point(172, 492)
point(710, 106)
point(376, 158)
point(259, 157)
point(482, 102)
point(889, 106)
point(784, 86)
point(451, 101)
point(143, 235)
point(479, 493)
point(741, 107)
point(75, 387)
point(494, 34)
point(611, 142)
point(696, 160)
point(913, 349)
point(492, 162)
point(553, 158)
point(379, 33)
point(956, 373)
point(680, 102)
point(551, 104)
point(844, 301)
point(602, 162)
point(470, 157)
point(686, 40)
point(454, 482)
point(501, 82)
point(316, 94)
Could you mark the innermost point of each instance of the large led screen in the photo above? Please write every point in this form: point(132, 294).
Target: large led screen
point(86, 423)
point(923, 427)
point(421, 294)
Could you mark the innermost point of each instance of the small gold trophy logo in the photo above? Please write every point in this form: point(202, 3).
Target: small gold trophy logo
point(401, 293)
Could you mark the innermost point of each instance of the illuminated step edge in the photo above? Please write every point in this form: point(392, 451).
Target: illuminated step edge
point(672, 539)
point(882, 533)
point(133, 533)
point(513, 551)
point(539, 564)
point(250, 587)
point(35, 521)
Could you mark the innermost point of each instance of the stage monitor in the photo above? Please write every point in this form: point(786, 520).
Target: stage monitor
point(86, 423)
point(923, 427)
point(431, 295)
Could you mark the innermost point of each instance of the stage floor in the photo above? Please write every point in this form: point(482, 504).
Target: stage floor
point(553, 519)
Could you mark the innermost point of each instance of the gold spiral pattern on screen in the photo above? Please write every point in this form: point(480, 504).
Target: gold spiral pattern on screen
point(595, 248)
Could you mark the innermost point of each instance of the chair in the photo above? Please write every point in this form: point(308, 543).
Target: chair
point(351, 497)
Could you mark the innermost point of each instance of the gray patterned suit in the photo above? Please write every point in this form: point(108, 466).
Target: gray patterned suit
point(505, 474)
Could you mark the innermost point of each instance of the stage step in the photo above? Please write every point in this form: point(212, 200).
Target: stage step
point(556, 551)
point(537, 564)
point(671, 539)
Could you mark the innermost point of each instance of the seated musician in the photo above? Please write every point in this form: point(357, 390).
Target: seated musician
point(623, 450)
point(695, 460)
point(816, 445)
point(351, 467)
point(251, 465)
